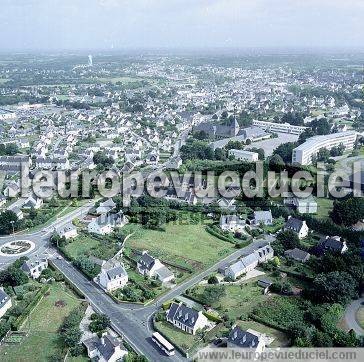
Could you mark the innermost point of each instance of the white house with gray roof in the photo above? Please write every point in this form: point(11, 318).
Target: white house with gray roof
point(112, 276)
point(68, 231)
point(153, 268)
point(105, 223)
point(248, 263)
point(104, 349)
point(262, 217)
point(185, 318)
point(34, 267)
point(5, 302)
point(231, 223)
point(298, 226)
point(245, 339)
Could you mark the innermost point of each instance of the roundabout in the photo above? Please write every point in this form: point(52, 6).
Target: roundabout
point(16, 248)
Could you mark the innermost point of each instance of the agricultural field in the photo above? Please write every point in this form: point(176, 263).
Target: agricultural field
point(42, 328)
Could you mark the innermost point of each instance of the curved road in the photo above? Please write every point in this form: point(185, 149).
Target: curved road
point(350, 316)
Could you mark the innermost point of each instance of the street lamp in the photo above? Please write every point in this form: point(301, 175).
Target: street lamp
point(12, 224)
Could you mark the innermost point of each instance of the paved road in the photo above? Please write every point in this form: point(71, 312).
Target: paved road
point(132, 321)
point(350, 316)
point(135, 330)
point(41, 237)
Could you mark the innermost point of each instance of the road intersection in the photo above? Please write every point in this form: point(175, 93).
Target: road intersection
point(132, 321)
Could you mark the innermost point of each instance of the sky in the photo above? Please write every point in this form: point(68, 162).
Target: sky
point(179, 24)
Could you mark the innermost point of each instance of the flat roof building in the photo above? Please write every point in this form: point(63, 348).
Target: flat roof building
point(303, 153)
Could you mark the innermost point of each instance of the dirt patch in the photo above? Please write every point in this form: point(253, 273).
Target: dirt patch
point(60, 303)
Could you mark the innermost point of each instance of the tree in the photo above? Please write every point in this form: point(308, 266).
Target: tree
point(212, 294)
point(276, 162)
point(99, 323)
point(334, 287)
point(288, 239)
point(213, 280)
point(285, 151)
point(348, 212)
point(8, 221)
point(323, 155)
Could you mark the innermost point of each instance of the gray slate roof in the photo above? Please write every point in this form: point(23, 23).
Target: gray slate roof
point(183, 314)
point(243, 338)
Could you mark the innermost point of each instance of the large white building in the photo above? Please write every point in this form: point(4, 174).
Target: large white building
point(279, 127)
point(303, 153)
point(242, 155)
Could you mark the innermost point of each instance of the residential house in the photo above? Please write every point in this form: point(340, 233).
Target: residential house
point(106, 206)
point(185, 318)
point(34, 267)
point(5, 302)
point(334, 244)
point(33, 201)
point(248, 262)
point(298, 226)
point(112, 276)
point(153, 268)
point(298, 255)
point(262, 217)
point(305, 205)
point(12, 189)
point(104, 349)
point(105, 223)
point(68, 231)
point(232, 223)
point(245, 339)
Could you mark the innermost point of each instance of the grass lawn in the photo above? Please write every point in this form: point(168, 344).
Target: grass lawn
point(187, 245)
point(44, 322)
point(324, 206)
point(80, 245)
point(239, 299)
point(183, 340)
point(360, 316)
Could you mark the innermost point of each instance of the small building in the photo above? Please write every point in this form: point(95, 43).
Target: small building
point(153, 268)
point(34, 267)
point(105, 223)
point(104, 349)
point(245, 339)
point(265, 284)
point(298, 255)
point(262, 217)
point(185, 318)
point(112, 276)
point(333, 244)
point(242, 155)
point(106, 206)
point(33, 202)
point(304, 205)
point(298, 226)
point(68, 232)
point(5, 302)
point(231, 223)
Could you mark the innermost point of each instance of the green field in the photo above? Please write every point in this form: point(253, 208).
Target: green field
point(119, 79)
point(42, 341)
point(182, 339)
point(80, 245)
point(324, 206)
point(239, 299)
point(187, 245)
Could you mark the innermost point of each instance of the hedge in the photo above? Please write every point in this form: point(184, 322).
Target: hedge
point(218, 235)
point(20, 320)
point(212, 317)
point(268, 324)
